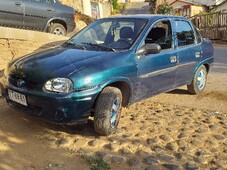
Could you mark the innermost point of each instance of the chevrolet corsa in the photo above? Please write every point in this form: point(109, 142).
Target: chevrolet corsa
point(110, 64)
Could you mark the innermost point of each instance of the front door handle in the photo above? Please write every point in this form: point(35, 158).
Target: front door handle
point(197, 55)
point(173, 59)
point(17, 3)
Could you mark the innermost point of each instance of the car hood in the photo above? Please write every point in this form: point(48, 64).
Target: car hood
point(61, 62)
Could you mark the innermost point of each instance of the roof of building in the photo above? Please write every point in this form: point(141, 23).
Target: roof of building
point(189, 2)
point(221, 3)
point(147, 16)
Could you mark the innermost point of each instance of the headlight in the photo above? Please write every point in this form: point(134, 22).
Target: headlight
point(59, 85)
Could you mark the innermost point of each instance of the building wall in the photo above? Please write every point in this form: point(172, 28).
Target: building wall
point(93, 8)
point(179, 8)
point(178, 4)
point(105, 9)
point(196, 10)
point(76, 4)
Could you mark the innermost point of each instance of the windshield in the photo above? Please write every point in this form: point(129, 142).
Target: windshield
point(109, 34)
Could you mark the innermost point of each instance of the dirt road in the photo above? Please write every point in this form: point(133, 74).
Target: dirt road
point(168, 131)
point(174, 130)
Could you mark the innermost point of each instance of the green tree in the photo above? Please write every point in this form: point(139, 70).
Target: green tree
point(115, 4)
point(164, 8)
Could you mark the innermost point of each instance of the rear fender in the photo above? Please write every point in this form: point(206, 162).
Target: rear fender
point(58, 20)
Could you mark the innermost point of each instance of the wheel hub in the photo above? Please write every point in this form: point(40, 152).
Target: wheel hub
point(58, 31)
point(201, 80)
point(114, 113)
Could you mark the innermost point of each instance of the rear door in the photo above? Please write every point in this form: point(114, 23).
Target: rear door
point(11, 12)
point(38, 13)
point(188, 50)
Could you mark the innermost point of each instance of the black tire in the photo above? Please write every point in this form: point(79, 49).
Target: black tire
point(56, 28)
point(104, 121)
point(198, 83)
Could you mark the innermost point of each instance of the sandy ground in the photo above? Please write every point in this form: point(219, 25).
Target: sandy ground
point(173, 130)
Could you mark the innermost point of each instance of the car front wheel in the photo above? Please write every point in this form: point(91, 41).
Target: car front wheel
point(198, 83)
point(57, 29)
point(108, 111)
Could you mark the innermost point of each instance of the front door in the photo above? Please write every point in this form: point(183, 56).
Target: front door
point(157, 72)
point(38, 13)
point(11, 12)
point(189, 52)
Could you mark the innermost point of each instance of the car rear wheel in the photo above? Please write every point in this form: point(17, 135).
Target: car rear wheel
point(57, 29)
point(198, 83)
point(108, 111)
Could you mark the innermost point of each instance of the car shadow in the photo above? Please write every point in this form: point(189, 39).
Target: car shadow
point(85, 129)
point(179, 91)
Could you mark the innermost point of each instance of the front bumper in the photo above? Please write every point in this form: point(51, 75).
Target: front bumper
point(58, 108)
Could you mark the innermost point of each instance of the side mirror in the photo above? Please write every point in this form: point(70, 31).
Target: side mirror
point(149, 49)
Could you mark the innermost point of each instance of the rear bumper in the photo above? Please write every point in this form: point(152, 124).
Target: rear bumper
point(65, 109)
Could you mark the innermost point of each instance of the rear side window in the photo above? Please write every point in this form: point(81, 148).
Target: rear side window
point(185, 33)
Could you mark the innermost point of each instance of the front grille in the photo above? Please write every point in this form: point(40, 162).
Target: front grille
point(21, 82)
point(13, 80)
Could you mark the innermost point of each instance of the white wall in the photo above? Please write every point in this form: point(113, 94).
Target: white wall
point(87, 7)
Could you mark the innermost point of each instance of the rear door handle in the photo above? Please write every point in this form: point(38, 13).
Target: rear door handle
point(173, 59)
point(17, 3)
point(49, 10)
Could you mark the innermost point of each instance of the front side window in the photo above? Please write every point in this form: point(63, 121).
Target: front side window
point(161, 33)
point(185, 33)
point(112, 33)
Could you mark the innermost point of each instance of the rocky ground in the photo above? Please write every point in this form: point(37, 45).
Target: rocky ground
point(173, 130)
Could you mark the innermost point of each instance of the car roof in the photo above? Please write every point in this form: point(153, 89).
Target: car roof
point(147, 16)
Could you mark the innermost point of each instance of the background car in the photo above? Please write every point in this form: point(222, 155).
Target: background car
point(44, 15)
point(112, 63)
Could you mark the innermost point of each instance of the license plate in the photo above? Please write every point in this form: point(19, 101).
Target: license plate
point(17, 97)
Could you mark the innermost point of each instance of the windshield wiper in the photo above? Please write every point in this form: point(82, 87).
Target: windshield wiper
point(70, 43)
point(99, 46)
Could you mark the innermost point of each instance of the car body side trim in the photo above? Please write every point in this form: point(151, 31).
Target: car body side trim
point(186, 64)
point(158, 72)
point(8, 12)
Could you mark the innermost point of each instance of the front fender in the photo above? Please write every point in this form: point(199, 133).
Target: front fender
point(115, 80)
